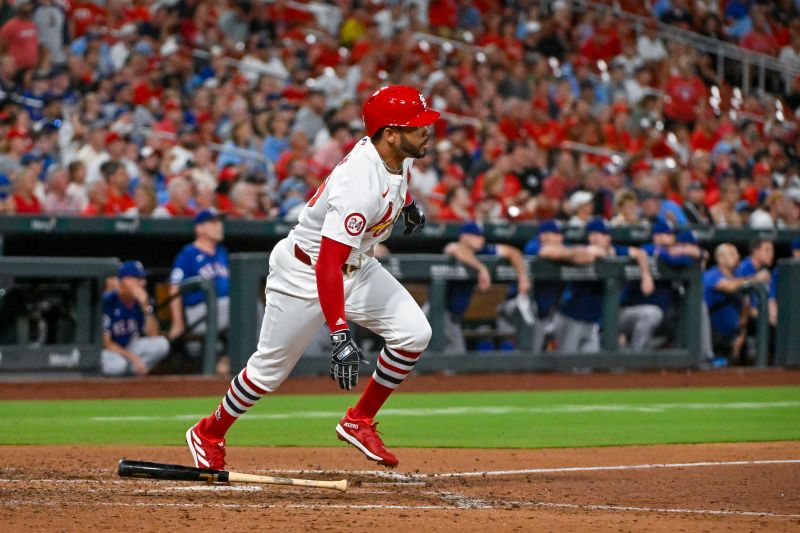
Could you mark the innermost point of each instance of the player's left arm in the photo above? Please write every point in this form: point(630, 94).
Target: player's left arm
point(514, 256)
point(647, 285)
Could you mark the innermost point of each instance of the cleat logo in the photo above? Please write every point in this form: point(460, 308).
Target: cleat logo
point(350, 425)
point(217, 414)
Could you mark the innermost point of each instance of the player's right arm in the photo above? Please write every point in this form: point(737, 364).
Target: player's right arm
point(466, 255)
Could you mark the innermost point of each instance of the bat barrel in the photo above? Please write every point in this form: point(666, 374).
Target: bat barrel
point(147, 470)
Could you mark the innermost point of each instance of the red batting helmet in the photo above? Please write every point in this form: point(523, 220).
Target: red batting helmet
point(396, 105)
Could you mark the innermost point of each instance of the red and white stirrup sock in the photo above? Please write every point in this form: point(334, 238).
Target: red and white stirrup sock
point(242, 395)
point(391, 370)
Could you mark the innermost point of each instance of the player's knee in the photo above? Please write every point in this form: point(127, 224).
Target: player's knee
point(162, 346)
point(654, 315)
point(415, 338)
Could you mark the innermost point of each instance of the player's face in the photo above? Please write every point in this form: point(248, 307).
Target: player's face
point(766, 253)
point(211, 230)
point(413, 142)
point(597, 238)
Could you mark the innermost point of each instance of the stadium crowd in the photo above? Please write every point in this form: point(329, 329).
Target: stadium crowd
point(164, 108)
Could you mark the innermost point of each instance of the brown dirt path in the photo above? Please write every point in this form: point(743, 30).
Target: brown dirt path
point(182, 386)
point(70, 488)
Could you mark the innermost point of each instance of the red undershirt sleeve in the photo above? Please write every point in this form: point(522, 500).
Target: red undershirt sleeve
point(330, 283)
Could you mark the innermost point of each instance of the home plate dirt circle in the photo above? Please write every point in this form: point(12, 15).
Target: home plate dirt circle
point(741, 486)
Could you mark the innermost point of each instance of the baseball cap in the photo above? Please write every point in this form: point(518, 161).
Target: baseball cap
point(207, 214)
point(796, 243)
point(549, 226)
point(471, 228)
point(131, 269)
point(580, 198)
point(661, 226)
point(743, 206)
point(597, 225)
point(687, 237)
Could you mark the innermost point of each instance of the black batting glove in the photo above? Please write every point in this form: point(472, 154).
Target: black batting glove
point(345, 359)
point(414, 218)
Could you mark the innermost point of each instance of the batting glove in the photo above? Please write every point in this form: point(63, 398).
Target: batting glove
point(345, 359)
point(414, 218)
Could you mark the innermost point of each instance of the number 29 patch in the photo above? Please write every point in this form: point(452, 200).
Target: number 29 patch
point(354, 224)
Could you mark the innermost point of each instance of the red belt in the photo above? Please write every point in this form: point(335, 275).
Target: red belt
point(304, 258)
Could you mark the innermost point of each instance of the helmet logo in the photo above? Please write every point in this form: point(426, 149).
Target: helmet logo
point(422, 99)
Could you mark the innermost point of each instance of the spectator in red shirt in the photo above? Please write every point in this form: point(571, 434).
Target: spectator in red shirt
point(442, 14)
point(458, 206)
point(684, 91)
point(180, 194)
point(557, 185)
point(19, 37)
point(119, 200)
point(760, 37)
point(84, 15)
point(24, 200)
point(244, 200)
point(97, 192)
point(604, 43)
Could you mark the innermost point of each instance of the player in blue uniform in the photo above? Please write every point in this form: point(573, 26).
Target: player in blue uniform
point(762, 256)
point(721, 287)
point(651, 309)
point(131, 343)
point(549, 244)
point(207, 258)
point(578, 322)
point(472, 242)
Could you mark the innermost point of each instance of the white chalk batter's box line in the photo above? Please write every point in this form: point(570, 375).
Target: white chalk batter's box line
point(401, 478)
point(460, 501)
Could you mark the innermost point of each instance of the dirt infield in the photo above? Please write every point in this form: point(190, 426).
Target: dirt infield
point(655, 488)
point(183, 386)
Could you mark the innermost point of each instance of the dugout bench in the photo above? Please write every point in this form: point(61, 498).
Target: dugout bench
point(81, 281)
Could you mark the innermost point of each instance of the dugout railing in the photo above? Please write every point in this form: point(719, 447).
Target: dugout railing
point(248, 272)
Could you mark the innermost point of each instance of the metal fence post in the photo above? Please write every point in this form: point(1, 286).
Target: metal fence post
point(611, 287)
point(787, 345)
point(247, 271)
point(436, 298)
point(693, 304)
point(762, 323)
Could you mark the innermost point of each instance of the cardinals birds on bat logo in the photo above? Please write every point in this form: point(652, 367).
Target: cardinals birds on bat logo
point(385, 222)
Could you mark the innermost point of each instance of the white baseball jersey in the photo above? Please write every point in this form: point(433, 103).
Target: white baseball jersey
point(356, 205)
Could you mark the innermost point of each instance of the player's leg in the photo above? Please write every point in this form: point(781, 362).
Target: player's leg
point(646, 319)
point(453, 334)
point(287, 327)
point(590, 337)
point(113, 364)
point(569, 334)
point(378, 302)
point(151, 350)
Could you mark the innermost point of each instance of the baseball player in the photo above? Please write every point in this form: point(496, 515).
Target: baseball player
point(472, 242)
point(549, 244)
point(324, 271)
point(131, 343)
point(578, 322)
point(641, 314)
point(207, 258)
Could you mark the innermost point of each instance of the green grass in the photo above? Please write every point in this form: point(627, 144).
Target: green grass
point(480, 420)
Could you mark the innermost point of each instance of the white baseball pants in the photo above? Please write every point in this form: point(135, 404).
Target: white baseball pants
point(374, 299)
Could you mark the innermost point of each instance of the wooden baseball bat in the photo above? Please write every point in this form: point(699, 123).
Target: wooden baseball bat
point(147, 470)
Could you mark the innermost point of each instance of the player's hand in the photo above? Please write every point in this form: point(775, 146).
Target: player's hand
point(175, 331)
point(484, 279)
point(763, 276)
point(414, 218)
point(139, 368)
point(345, 359)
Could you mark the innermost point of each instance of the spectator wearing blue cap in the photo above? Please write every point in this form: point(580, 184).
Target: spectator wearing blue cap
point(578, 322)
point(549, 244)
point(131, 341)
point(208, 259)
point(795, 246)
point(641, 314)
point(471, 243)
